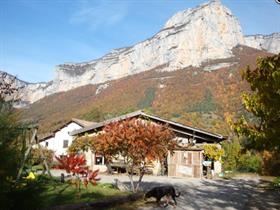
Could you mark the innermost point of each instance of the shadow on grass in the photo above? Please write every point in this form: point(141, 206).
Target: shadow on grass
point(70, 195)
point(67, 194)
point(64, 188)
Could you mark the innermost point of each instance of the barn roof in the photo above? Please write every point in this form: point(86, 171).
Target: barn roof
point(178, 128)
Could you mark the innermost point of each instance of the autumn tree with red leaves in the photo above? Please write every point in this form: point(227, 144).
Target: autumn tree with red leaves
point(137, 141)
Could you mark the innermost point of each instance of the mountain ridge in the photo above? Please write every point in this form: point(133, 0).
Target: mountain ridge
point(190, 38)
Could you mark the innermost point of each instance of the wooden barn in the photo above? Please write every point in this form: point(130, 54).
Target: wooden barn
point(186, 161)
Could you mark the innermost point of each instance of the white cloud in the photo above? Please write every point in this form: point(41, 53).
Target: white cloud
point(99, 13)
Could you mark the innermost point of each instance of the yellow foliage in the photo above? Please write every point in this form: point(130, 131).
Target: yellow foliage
point(31, 176)
point(212, 151)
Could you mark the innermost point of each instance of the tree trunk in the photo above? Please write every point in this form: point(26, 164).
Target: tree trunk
point(108, 165)
point(142, 172)
point(130, 176)
point(131, 182)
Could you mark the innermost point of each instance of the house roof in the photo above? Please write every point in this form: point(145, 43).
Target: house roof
point(45, 136)
point(178, 128)
point(82, 123)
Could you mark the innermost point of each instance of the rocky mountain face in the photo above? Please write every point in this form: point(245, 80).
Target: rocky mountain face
point(27, 92)
point(14, 84)
point(270, 43)
point(191, 38)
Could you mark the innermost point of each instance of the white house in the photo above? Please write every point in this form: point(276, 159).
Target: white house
point(60, 139)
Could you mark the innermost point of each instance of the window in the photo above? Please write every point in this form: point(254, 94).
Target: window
point(99, 159)
point(46, 144)
point(65, 143)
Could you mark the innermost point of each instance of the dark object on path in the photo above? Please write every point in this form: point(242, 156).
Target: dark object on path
point(62, 178)
point(159, 192)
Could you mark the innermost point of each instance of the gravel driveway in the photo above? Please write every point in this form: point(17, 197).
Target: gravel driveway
point(238, 193)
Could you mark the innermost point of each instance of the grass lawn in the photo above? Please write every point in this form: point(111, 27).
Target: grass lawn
point(45, 192)
point(65, 193)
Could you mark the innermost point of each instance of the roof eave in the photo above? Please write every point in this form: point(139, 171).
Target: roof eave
point(97, 125)
point(217, 137)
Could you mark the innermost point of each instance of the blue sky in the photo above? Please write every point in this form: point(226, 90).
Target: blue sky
point(37, 35)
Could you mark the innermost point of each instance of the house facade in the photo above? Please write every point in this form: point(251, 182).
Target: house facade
point(187, 160)
point(60, 139)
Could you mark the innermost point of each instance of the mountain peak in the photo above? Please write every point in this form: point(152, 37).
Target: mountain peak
point(212, 7)
point(190, 38)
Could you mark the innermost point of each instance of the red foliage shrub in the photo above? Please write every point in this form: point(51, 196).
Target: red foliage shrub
point(76, 164)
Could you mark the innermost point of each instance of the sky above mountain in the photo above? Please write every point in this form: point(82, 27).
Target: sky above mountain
point(37, 35)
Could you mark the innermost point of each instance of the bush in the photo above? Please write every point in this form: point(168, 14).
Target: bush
point(36, 158)
point(249, 162)
point(235, 159)
point(271, 163)
point(276, 182)
point(232, 154)
point(26, 194)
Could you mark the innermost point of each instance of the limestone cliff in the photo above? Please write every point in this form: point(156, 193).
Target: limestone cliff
point(270, 43)
point(189, 38)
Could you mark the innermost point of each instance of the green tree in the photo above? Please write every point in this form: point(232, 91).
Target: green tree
point(9, 128)
point(262, 131)
point(232, 154)
point(9, 147)
point(9, 134)
point(249, 162)
point(206, 105)
point(238, 158)
point(148, 99)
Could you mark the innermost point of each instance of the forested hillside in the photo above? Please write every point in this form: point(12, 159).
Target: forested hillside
point(192, 96)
